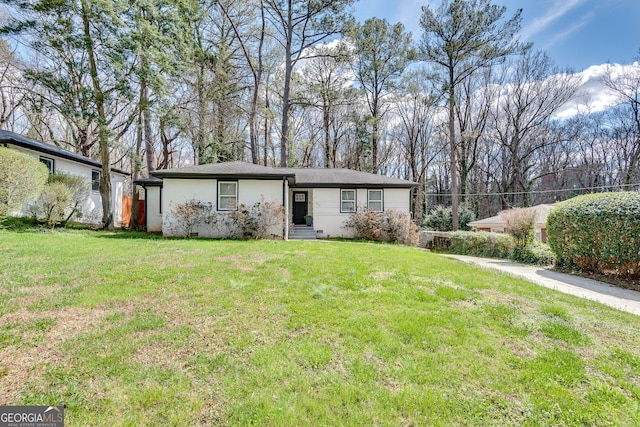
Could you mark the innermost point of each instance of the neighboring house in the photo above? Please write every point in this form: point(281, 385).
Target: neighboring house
point(327, 195)
point(496, 224)
point(62, 161)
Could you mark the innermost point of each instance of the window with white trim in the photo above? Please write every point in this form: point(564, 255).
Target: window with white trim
point(95, 180)
point(347, 201)
point(227, 195)
point(49, 163)
point(374, 200)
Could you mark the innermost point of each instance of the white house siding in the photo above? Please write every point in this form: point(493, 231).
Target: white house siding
point(398, 199)
point(153, 216)
point(92, 208)
point(328, 219)
point(251, 191)
point(177, 191)
point(117, 192)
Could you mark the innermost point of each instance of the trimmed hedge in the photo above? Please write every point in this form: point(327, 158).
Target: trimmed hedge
point(534, 253)
point(482, 244)
point(597, 232)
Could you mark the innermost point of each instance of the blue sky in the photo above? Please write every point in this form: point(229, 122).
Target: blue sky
point(575, 33)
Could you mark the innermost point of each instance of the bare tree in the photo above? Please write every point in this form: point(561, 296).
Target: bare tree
point(626, 86)
point(12, 85)
point(382, 53)
point(416, 108)
point(299, 25)
point(326, 80)
point(460, 37)
point(534, 90)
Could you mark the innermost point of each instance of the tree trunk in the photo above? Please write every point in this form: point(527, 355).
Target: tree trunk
point(103, 136)
point(146, 119)
point(452, 149)
point(135, 208)
point(288, 65)
point(201, 132)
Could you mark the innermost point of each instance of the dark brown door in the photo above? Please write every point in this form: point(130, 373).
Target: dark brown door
point(299, 206)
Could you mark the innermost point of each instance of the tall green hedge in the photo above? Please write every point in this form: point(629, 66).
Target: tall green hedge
point(483, 244)
point(597, 232)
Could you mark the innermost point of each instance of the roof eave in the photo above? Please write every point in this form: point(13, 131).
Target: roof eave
point(200, 175)
point(42, 148)
point(352, 185)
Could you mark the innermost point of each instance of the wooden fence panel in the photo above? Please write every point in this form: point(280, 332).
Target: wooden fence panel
point(127, 203)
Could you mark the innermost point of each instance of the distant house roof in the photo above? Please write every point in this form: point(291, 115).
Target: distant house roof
point(298, 177)
point(542, 211)
point(41, 147)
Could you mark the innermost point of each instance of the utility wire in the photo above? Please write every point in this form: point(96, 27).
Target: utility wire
point(514, 193)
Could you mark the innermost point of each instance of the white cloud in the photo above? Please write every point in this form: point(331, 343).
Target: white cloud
point(592, 95)
point(557, 10)
point(572, 29)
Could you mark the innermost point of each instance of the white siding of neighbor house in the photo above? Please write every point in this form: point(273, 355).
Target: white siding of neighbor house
point(153, 216)
point(177, 191)
point(327, 217)
point(92, 207)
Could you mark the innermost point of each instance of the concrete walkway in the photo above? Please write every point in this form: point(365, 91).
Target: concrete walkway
point(622, 299)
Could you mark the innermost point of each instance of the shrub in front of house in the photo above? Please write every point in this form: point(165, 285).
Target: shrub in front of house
point(61, 200)
point(22, 177)
point(388, 226)
point(440, 218)
point(262, 220)
point(189, 216)
point(519, 222)
point(598, 232)
point(534, 253)
point(482, 244)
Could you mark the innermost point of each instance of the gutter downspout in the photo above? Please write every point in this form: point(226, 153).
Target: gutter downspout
point(146, 209)
point(285, 204)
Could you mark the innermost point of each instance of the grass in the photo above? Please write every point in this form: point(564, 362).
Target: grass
point(129, 329)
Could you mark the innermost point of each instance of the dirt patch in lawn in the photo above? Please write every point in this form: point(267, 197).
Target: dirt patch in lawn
point(18, 365)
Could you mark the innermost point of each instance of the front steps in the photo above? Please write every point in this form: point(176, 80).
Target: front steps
point(302, 232)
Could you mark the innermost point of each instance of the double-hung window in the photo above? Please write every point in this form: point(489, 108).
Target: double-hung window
point(227, 195)
point(347, 201)
point(95, 180)
point(374, 200)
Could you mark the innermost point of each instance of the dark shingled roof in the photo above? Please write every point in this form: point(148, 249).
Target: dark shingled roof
point(149, 182)
point(315, 177)
point(229, 169)
point(22, 141)
point(298, 177)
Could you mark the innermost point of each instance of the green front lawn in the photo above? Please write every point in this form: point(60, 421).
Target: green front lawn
point(148, 331)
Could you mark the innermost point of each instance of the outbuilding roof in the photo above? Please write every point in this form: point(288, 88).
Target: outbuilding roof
point(542, 212)
point(41, 147)
point(298, 177)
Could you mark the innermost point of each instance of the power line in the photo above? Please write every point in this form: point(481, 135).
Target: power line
point(515, 193)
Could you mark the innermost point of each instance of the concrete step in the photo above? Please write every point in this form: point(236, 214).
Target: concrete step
point(302, 232)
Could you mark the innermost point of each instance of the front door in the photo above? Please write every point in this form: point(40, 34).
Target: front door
point(300, 208)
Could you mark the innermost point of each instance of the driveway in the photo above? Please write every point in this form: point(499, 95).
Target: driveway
point(622, 299)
